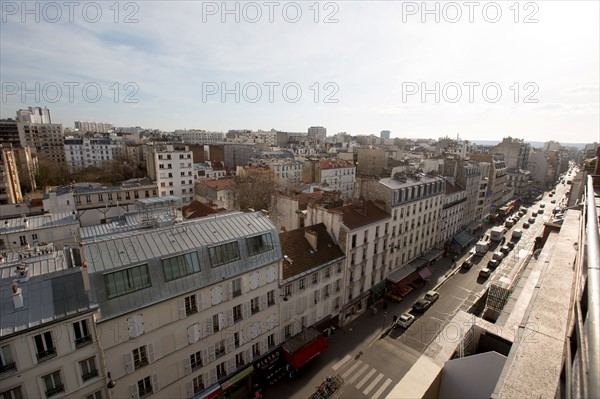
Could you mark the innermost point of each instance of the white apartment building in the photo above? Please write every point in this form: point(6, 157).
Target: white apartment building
point(311, 277)
point(199, 136)
point(452, 219)
point(318, 132)
point(173, 171)
point(186, 309)
point(48, 344)
point(10, 185)
point(94, 127)
point(361, 230)
point(468, 176)
point(34, 115)
point(26, 233)
point(43, 139)
point(338, 175)
point(286, 170)
point(415, 202)
point(83, 152)
point(484, 196)
point(205, 171)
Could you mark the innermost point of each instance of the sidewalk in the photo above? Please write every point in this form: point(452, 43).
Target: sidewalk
point(354, 338)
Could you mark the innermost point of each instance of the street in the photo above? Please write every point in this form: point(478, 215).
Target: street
point(370, 362)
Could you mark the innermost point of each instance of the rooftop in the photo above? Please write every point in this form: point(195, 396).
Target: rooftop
point(335, 163)
point(361, 214)
point(409, 180)
point(304, 258)
point(218, 184)
point(45, 221)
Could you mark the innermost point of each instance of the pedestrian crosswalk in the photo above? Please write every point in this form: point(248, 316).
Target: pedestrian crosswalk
point(363, 377)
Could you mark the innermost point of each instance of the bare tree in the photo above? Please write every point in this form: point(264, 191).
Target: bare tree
point(253, 189)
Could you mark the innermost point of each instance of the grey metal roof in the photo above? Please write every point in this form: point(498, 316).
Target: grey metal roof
point(53, 292)
point(47, 220)
point(150, 246)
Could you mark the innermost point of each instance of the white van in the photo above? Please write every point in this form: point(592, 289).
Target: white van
point(516, 234)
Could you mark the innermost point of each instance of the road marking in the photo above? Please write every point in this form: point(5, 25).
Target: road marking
point(372, 384)
point(341, 362)
point(351, 369)
point(364, 380)
point(358, 373)
point(382, 388)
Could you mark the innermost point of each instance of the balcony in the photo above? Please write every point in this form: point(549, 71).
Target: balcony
point(47, 354)
point(53, 391)
point(89, 375)
point(8, 368)
point(83, 341)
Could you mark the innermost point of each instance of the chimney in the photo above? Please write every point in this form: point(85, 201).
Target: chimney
point(17, 296)
point(311, 237)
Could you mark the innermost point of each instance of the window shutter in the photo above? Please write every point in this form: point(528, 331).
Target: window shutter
point(129, 362)
point(187, 364)
point(199, 301)
point(181, 304)
point(248, 355)
point(230, 365)
point(212, 375)
point(204, 357)
point(193, 332)
point(227, 292)
point(209, 326)
point(190, 389)
point(241, 335)
point(221, 321)
point(230, 317)
point(155, 384)
point(264, 346)
point(263, 302)
point(133, 391)
point(211, 353)
point(151, 354)
point(246, 309)
point(135, 325)
point(229, 344)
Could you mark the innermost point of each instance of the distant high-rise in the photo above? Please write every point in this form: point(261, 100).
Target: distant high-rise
point(94, 127)
point(385, 134)
point(318, 132)
point(34, 115)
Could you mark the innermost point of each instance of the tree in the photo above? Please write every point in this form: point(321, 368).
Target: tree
point(254, 187)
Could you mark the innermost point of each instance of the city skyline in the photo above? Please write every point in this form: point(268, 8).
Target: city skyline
point(361, 68)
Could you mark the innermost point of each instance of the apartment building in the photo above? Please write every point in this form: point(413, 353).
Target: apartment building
point(220, 192)
point(484, 195)
point(289, 209)
point(83, 152)
point(337, 175)
point(311, 278)
point(44, 139)
point(199, 136)
point(415, 201)
point(27, 233)
point(186, 309)
point(94, 127)
point(48, 344)
point(468, 176)
point(34, 115)
point(498, 177)
point(516, 152)
point(361, 230)
point(10, 185)
point(452, 219)
point(371, 161)
point(173, 171)
point(97, 204)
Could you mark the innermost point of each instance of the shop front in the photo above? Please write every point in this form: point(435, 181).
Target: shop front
point(354, 308)
point(240, 385)
point(303, 347)
point(271, 368)
point(212, 392)
point(433, 256)
point(377, 293)
point(461, 241)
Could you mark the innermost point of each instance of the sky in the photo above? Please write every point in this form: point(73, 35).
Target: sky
point(480, 70)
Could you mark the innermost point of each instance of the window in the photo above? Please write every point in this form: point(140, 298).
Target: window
point(44, 346)
point(53, 383)
point(316, 297)
point(198, 383)
point(256, 350)
point(225, 253)
point(196, 360)
point(181, 266)
point(144, 387)
point(271, 298)
point(254, 307)
point(7, 363)
point(221, 372)
point(236, 287)
point(302, 284)
point(237, 313)
point(88, 368)
point(287, 331)
point(140, 358)
point(191, 305)
point(259, 244)
point(127, 281)
point(95, 395)
point(288, 290)
point(271, 341)
point(217, 321)
point(239, 359)
point(82, 333)
point(236, 339)
point(354, 241)
point(315, 278)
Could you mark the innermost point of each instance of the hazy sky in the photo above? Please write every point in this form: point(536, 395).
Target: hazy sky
point(484, 70)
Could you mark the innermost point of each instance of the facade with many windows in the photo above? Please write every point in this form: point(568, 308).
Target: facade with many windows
point(173, 171)
point(186, 307)
point(48, 344)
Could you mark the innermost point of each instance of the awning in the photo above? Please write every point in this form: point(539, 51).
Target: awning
point(433, 255)
point(425, 272)
point(238, 377)
point(474, 226)
point(402, 287)
point(211, 392)
point(400, 274)
point(378, 290)
point(463, 238)
point(303, 347)
point(418, 263)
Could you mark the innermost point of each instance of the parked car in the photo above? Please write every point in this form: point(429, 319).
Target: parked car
point(516, 234)
point(485, 272)
point(530, 220)
point(505, 249)
point(553, 202)
point(493, 263)
point(421, 305)
point(467, 264)
point(542, 206)
point(431, 296)
point(510, 244)
point(405, 320)
point(540, 211)
point(525, 225)
point(498, 256)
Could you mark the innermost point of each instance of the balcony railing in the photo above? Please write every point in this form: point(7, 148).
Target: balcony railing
point(89, 375)
point(8, 367)
point(83, 341)
point(46, 354)
point(53, 391)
